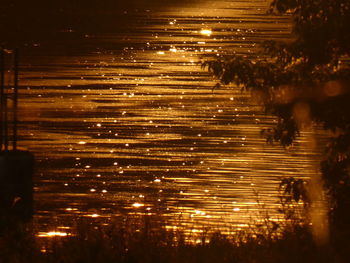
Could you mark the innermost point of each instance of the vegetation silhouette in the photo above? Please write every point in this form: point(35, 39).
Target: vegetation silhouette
point(303, 81)
point(147, 240)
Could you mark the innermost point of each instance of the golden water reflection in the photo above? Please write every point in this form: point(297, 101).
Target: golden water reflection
point(130, 125)
point(52, 234)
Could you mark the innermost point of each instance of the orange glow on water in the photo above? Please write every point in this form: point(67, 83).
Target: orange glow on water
point(333, 88)
point(137, 124)
point(137, 205)
point(206, 32)
point(52, 234)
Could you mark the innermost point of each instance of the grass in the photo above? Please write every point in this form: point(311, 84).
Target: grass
point(150, 242)
point(147, 239)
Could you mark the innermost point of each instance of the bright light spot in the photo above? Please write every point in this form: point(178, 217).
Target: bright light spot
point(160, 52)
point(52, 234)
point(92, 190)
point(236, 209)
point(94, 215)
point(104, 191)
point(81, 142)
point(206, 32)
point(98, 125)
point(157, 181)
point(137, 205)
point(198, 212)
point(173, 49)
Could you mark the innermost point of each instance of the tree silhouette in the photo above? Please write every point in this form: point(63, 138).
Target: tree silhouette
point(306, 80)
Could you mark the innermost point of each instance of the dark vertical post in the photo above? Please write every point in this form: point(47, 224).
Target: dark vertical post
point(6, 136)
point(15, 98)
point(16, 166)
point(2, 84)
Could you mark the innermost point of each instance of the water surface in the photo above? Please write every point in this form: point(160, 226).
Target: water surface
point(123, 120)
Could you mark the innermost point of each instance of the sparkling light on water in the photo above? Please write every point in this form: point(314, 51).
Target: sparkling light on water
point(131, 123)
point(206, 32)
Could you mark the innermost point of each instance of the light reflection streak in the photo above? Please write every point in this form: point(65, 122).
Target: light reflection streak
point(206, 32)
point(94, 215)
point(137, 205)
point(52, 234)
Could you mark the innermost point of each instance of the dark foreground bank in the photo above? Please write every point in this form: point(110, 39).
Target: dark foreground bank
point(131, 243)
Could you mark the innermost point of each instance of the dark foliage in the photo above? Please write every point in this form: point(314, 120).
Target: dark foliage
point(302, 81)
point(120, 243)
